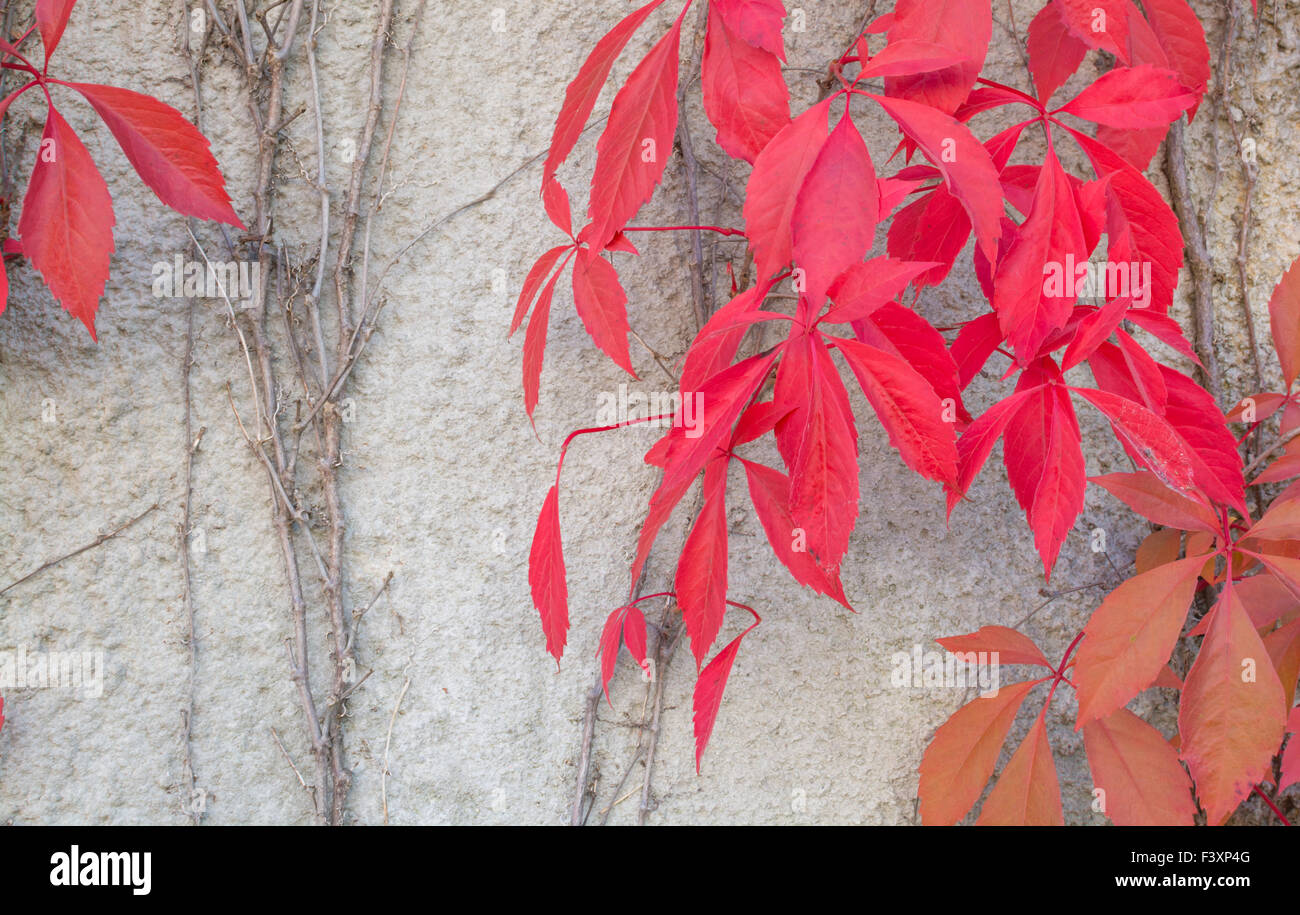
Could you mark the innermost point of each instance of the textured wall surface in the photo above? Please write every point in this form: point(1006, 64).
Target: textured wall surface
point(444, 476)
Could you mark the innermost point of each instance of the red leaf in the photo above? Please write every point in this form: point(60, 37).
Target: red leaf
point(908, 408)
point(602, 305)
point(607, 650)
point(1151, 499)
point(1138, 146)
point(1163, 328)
point(714, 348)
point(1093, 330)
point(556, 201)
point(1043, 455)
point(167, 151)
point(1144, 372)
point(1133, 97)
point(1284, 321)
point(540, 270)
point(1028, 308)
point(708, 692)
point(662, 502)
point(745, 96)
point(1285, 569)
point(967, 168)
point(1131, 635)
point(906, 334)
point(770, 492)
point(1140, 226)
point(836, 211)
point(535, 343)
point(1054, 54)
point(934, 227)
point(1027, 792)
point(580, 97)
point(1152, 440)
point(1233, 711)
point(757, 22)
point(637, 141)
point(822, 451)
point(1285, 468)
point(1216, 462)
point(976, 443)
point(625, 623)
point(724, 396)
point(634, 635)
point(905, 57)
point(774, 185)
point(965, 26)
point(51, 19)
point(1012, 647)
point(976, 342)
point(1139, 772)
point(1098, 23)
point(67, 221)
point(701, 582)
point(863, 288)
point(959, 760)
point(1182, 37)
point(546, 575)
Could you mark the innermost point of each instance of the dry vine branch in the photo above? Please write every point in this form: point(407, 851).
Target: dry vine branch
point(102, 538)
point(1198, 260)
point(276, 436)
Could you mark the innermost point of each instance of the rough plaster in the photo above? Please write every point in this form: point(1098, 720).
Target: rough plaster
point(444, 476)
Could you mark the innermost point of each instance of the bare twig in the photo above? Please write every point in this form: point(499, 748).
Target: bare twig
point(665, 649)
point(102, 538)
point(1198, 260)
point(388, 741)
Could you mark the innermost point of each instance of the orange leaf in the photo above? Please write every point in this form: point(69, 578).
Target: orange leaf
point(1284, 651)
point(1159, 548)
point(959, 760)
point(1290, 757)
point(1027, 792)
point(1266, 600)
point(1130, 637)
point(1146, 495)
point(1167, 679)
point(1285, 569)
point(1138, 772)
point(1284, 319)
point(1010, 646)
point(1280, 522)
point(1233, 710)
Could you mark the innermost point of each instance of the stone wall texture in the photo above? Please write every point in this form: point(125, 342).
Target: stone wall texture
point(444, 476)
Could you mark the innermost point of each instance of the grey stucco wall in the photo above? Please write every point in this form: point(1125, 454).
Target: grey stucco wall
point(444, 476)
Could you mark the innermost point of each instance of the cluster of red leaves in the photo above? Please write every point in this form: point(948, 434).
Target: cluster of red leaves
point(1235, 705)
point(66, 225)
point(813, 203)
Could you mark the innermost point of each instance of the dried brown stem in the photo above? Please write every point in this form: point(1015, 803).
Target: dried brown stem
point(1198, 260)
point(102, 538)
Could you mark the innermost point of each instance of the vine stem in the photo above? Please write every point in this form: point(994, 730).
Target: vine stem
point(1058, 675)
point(717, 229)
point(1272, 806)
